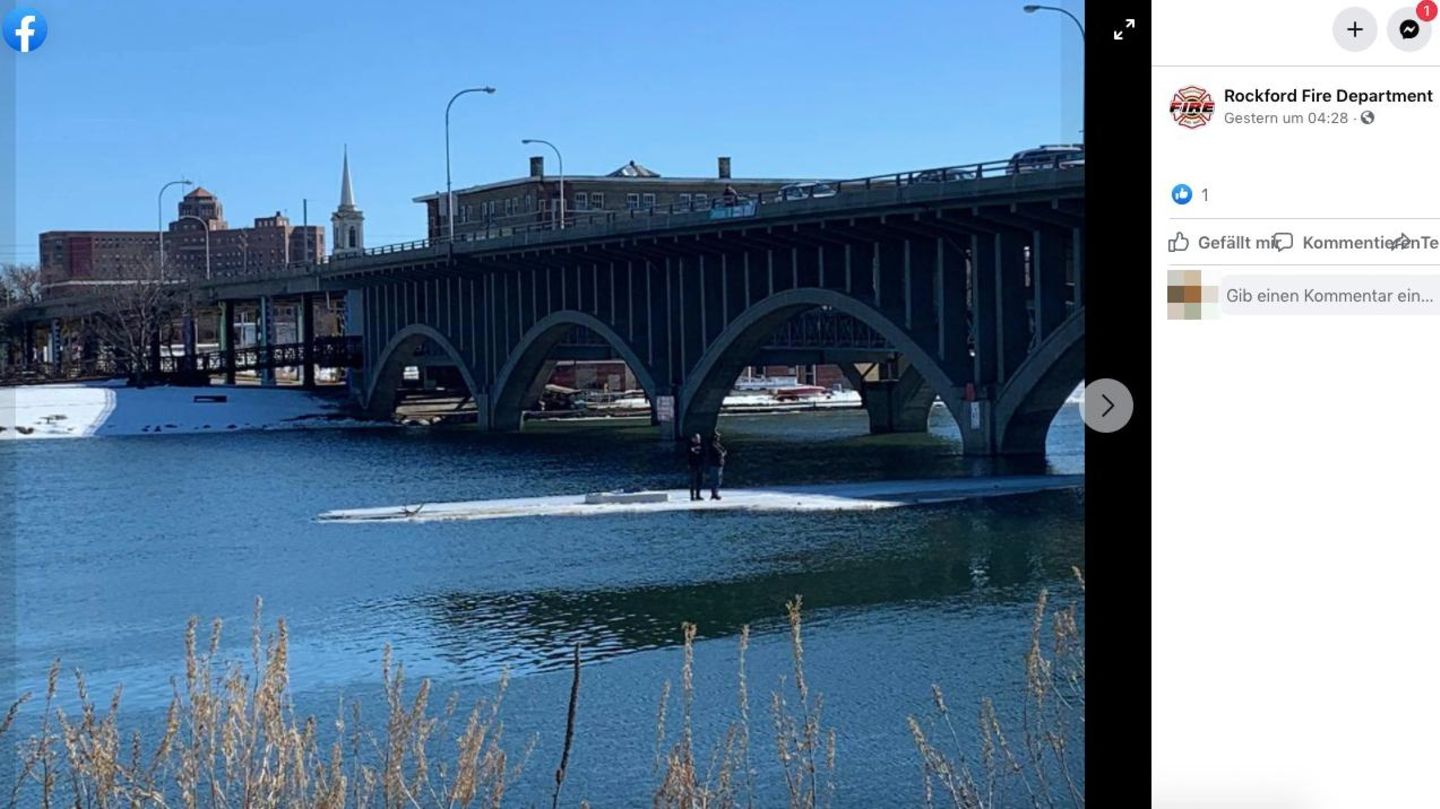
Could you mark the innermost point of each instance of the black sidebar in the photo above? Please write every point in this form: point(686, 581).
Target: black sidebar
point(1117, 464)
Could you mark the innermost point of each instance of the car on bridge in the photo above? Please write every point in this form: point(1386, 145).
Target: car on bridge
point(946, 175)
point(1047, 158)
point(796, 191)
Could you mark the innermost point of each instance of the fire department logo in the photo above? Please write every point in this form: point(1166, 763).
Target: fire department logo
point(1192, 107)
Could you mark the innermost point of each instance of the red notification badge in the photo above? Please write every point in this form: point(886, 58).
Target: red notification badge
point(1426, 10)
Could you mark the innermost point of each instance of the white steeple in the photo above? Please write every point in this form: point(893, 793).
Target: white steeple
point(348, 223)
point(347, 194)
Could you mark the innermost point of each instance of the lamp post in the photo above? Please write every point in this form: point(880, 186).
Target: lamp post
point(1031, 9)
point(449, 197)
point(160, 220)
point(561, 161)
point(205, 225)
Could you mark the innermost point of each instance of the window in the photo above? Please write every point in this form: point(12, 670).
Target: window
point(509, 206)
point(597, 200)
point(582, 201)
point(649, 200)
point(632, 201)
point(685, 200)
point(702, 201)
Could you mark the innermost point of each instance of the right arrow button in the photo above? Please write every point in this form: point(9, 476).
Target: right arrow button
point(1108, 405)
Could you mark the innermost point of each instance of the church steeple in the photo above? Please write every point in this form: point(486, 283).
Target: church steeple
point(347, 194)
point(348, 222)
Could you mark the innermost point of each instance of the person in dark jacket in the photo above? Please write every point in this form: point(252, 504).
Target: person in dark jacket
point(715, 457)
point(695, 455)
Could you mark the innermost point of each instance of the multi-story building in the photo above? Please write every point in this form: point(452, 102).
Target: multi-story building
point(72, 260)
point(535, 198)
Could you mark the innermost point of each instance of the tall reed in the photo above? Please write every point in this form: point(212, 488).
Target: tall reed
point(1035, 764)
point(231, 738)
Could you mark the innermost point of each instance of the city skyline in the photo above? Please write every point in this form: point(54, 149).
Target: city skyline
point(272, 128)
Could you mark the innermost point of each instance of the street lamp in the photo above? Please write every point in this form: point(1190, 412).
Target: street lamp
point(449, 197)
point(561, 161)
point(160, 220)
point(205, 225)
point(1031, 9)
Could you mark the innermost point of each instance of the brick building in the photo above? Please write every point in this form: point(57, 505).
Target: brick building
point(71, 258)
point(536, 198)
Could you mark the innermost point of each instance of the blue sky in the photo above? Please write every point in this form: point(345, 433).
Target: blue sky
point(255, 100)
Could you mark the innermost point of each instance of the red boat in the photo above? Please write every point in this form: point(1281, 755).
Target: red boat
point(795, 393)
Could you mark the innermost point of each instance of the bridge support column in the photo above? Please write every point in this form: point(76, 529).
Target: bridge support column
point(265, 339)
point(896, 401)
point(53, 350)
point(306, 316)
point(1047, 278)
point(977, 427)
point(355, 327)
point(188, 340)
point(27, 346)
point(226, 333)
point(1077, 266)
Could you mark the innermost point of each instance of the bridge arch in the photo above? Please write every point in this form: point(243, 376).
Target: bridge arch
point(1031, 397)
point(384, 383)
point(710, 380)
point(517, 379)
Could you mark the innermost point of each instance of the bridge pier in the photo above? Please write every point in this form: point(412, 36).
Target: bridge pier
point(977, 428)
point(265, 338)
point(226, 334)
point(355, 327)
point(305, 314)
point(53, 352)
point(896, 401)
point(187, 345)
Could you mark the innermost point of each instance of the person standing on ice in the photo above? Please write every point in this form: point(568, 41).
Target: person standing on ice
point(715, 456)
point(695, 454)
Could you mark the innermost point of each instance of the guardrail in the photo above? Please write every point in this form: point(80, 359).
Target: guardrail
point(728, 206)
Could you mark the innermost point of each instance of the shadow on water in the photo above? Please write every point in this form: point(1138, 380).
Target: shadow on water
point(976, 553)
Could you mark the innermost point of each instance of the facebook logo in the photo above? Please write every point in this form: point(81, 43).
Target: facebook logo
point(25, 29)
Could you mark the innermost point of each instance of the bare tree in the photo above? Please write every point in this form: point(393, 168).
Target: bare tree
point(19, 284)
point(135, 317)
point(19, 287)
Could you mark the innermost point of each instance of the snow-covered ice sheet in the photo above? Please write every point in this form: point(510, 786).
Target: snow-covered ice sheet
point(868, 496)
point(102, 409)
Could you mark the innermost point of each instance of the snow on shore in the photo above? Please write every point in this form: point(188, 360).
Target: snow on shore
point(106, 409)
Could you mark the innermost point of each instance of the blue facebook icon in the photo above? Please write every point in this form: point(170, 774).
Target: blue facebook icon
point(25, 29)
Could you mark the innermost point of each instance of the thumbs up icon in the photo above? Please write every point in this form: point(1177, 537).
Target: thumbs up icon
point(1179, 243)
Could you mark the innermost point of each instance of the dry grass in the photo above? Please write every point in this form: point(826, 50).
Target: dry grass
point(232, 739)
point(804, 748)
point(1034, 765)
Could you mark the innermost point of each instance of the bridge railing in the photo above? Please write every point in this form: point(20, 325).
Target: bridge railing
point(728, 206)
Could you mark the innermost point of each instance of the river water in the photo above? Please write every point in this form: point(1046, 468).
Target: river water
point(119, 540)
